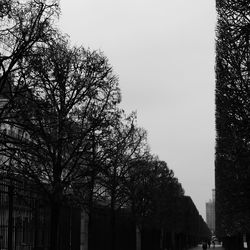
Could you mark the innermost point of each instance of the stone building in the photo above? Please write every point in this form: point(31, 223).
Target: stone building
point(210, 212)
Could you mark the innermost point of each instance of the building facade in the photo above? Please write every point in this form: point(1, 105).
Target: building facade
point(210, 212)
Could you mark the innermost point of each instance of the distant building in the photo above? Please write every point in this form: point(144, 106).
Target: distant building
point(210, 212)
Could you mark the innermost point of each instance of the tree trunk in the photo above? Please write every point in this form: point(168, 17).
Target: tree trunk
point(90, 230)
point(10, 217)
point(113, 220)
point(138, 237)
point(84, 231)
point(161, 238)
point(54, 226)
point(90, 210)
point(91, 191)
point(173, 240)
point(113, 230)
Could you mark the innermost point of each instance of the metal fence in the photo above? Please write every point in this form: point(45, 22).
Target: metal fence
point(24, 219)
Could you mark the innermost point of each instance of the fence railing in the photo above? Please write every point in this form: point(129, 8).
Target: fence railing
point(24, 219)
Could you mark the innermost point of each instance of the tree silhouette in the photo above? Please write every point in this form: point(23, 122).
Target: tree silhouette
point(125, 143)
point(23, 25)
point(232, 118)
point(65, 93)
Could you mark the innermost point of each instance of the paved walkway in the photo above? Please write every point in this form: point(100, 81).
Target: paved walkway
point(199, 247)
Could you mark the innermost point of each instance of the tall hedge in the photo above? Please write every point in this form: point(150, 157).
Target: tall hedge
point(232, 163)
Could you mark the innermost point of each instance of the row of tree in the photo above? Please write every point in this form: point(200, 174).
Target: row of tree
point(62, 128)
point(232, 120)
point(178, 227)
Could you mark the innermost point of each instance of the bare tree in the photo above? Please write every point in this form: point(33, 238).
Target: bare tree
point(23, 24)
point(63, 96)
point(123, 143)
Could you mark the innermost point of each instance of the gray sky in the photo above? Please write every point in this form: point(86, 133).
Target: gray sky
point(163, 52)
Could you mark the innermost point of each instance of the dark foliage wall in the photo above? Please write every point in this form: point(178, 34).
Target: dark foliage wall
point(100, 236)
point(186, 229)
point(232, 168)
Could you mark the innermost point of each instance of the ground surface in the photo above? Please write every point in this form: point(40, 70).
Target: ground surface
point(199, 247)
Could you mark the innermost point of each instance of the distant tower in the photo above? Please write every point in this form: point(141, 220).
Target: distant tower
point(210, 212)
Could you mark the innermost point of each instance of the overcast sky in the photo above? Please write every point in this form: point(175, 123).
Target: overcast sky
point(163, 52)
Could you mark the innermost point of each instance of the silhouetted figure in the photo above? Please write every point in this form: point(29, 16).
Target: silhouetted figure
point(208, 243)
point(213, 242)
point(204, 245)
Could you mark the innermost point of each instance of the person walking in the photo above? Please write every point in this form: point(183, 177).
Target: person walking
point(208, 243)
point(213, 242)
point(204, 245)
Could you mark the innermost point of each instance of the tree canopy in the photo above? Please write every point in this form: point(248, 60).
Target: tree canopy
point(232, 117)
